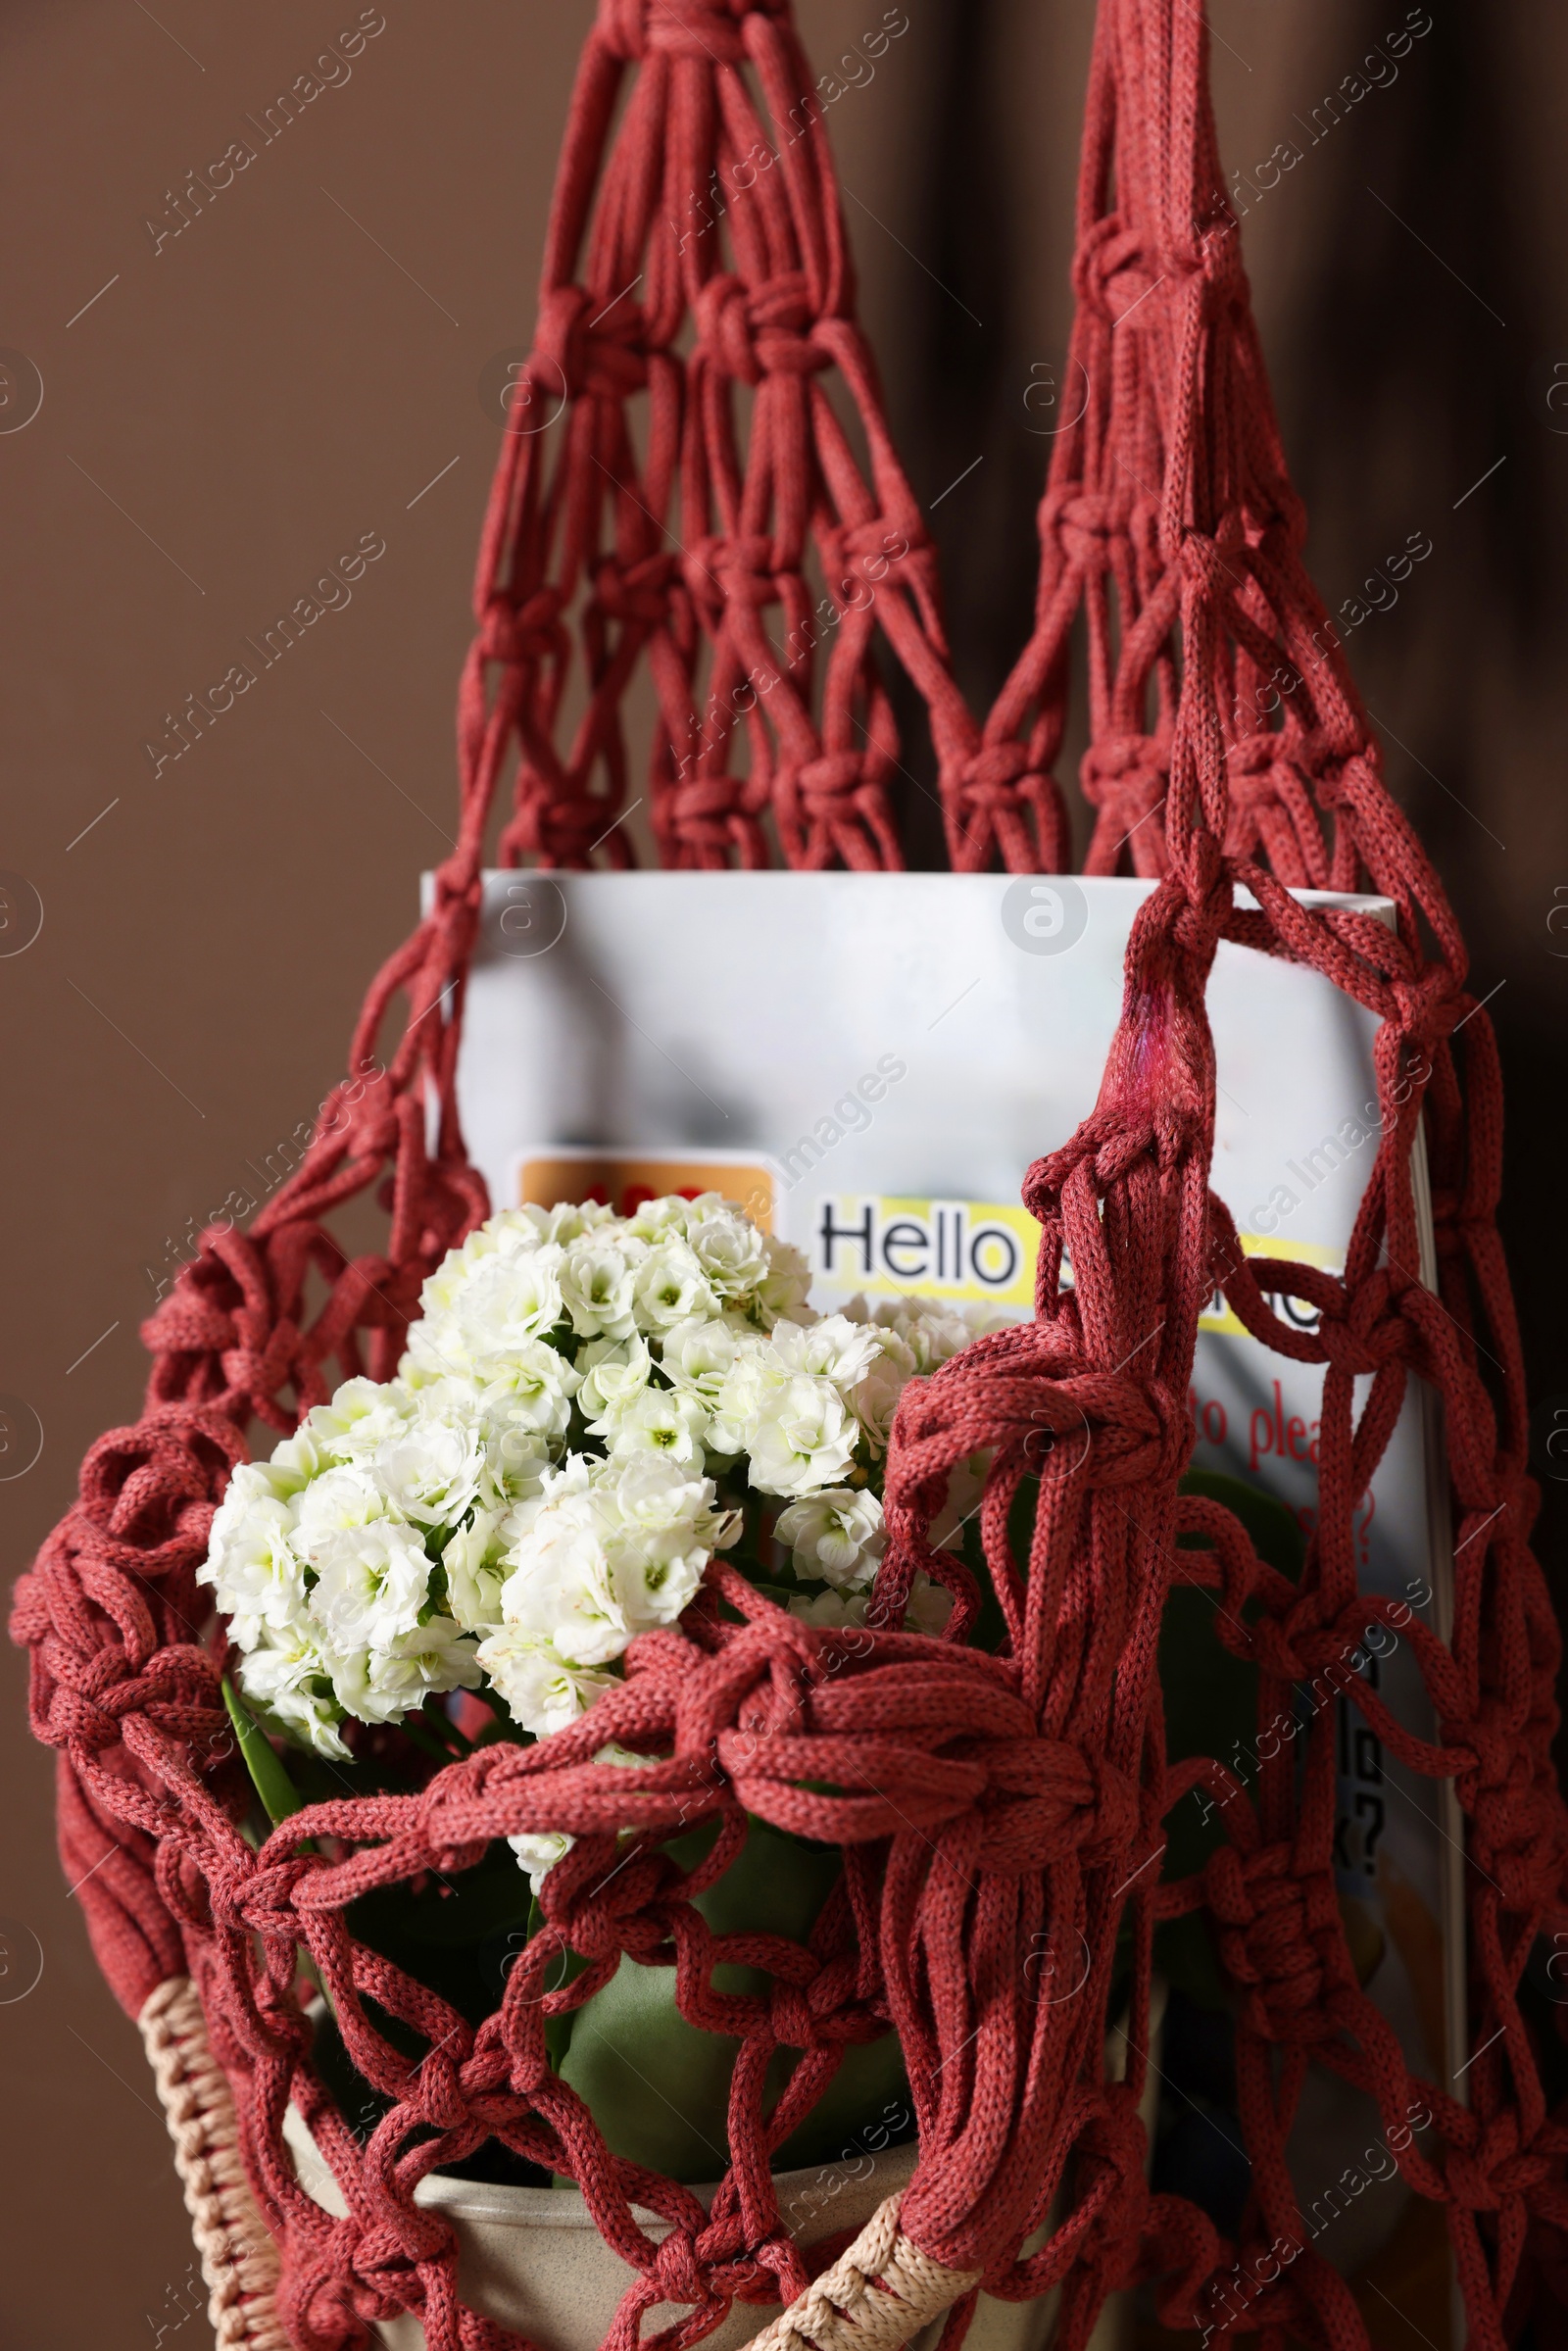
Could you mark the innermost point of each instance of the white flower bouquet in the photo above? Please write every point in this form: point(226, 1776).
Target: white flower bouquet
point(590, 1409)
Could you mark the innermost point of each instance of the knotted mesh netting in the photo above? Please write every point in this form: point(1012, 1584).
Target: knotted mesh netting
point(697, 486)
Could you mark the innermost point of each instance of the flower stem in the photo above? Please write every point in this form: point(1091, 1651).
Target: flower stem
point(269, 1777)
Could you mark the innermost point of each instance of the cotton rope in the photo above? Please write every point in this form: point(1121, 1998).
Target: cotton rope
point(878, 2294)
point(238, 2257)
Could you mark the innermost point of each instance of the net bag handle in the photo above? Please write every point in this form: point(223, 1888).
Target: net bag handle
point(123, 1686)
point(1229, 749)
point(678, 550)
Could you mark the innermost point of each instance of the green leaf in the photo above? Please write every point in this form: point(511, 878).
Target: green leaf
point(658, 2087)
point(1276, 1534)
point(419, 1730)
point(262, 1760)
point(1211, 1702)
point(1210, 1696)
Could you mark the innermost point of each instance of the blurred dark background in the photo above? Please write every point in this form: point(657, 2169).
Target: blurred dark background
point(226, 411)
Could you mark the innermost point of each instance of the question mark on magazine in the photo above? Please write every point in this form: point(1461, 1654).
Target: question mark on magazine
point(1369, 1810)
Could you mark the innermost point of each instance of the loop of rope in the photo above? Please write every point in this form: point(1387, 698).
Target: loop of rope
point(633, 30)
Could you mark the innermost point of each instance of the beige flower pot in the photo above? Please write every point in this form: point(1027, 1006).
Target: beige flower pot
point(532, 2258)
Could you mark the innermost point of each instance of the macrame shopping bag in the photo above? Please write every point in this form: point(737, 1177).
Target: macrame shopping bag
point(982, 1800)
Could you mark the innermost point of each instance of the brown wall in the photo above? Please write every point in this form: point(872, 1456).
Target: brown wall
point(237, 408)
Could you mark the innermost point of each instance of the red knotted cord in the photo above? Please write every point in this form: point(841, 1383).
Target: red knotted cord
point(698, 478)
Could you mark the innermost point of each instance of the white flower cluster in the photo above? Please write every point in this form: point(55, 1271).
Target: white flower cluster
point(587, 1404)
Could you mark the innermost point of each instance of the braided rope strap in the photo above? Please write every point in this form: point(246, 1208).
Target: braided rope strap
point(877, 2296)
point(238, 2257)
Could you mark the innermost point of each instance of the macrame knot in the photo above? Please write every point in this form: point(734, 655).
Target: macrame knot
point(1087, 527)
point(92, 1698)
point(1124, 779)
point(751, 331)
point(1219, 258)
point(527, 633)
point(703, 810)
point(1025, 1392)
point(1281, 1937)
point(270, 1896)
point(1137, 764)
point(1320, 751)
point(1138, 1432)
point(1213, 265)
point(1292, 1648)
point(1270, 804)
point(558, 356)
point(613, 361)
point(678, 2272)
point(597, 1918)
point(1501, 2169)
point(1201, 920)
point(570, 359)
point(1206, 562)
point(396, 2238)
point(369, 1129)
point(790, 2019)
point(190, 1321)
point(708, 30)
point(556, 819)
point(880, 555)
point(1043, 1799)
point(1516, 1830)
point(1117, 758)
point(151, 1491)
point(439, 2090)
point(636, 592)
point(1114, 2144)
point(885, 546)
point(1252, 763)
point(166, 1477)
point(990, 779)
point(263, 1359)
point(1431, 1005)
point(828, 782)
point(734, 570)
point(1110, 270)
point(1367, 1336)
